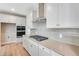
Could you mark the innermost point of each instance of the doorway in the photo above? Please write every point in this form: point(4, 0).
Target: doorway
point(8, 32)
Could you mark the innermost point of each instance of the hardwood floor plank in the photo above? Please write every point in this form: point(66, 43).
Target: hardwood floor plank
point(3, 50)
point(13, 50)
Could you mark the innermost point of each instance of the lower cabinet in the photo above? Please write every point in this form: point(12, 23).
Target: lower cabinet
point(26, 44)
point(43, 51)
point(31, 47)
point(53, 53)
point(35, 49)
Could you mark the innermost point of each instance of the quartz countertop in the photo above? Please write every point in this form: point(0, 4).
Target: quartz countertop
point(60, 47)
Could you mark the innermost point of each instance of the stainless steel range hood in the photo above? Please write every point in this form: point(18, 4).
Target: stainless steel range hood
point(41, 17)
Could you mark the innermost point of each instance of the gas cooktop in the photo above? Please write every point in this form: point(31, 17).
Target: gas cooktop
point(38, 37)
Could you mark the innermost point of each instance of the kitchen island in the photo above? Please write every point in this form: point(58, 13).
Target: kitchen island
point(63, 49)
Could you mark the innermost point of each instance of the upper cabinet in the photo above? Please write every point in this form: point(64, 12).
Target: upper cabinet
point(20, 21)
point(62, 15)
point(74, 14)
point(51, 15)
point(8, 18)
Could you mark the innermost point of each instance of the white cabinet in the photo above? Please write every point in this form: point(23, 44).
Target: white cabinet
point(68, 15)
point(6, 18)
point(10, 18)
point(52, 15)
point(62, 15)
point(26, 44)
point(53, 53)
point(74, 14)
point(20, 21)
point(19, 39)
point(31, 47)
point(35, 49)
point(43, 51)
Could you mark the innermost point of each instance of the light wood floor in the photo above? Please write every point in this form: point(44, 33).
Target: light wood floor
point(13, 50)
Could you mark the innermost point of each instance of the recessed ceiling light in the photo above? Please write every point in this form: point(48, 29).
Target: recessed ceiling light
point(12, 9)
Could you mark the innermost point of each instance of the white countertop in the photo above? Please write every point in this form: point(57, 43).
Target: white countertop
point(59, 47)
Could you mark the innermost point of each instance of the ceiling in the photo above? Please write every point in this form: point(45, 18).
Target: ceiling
point(20, 8)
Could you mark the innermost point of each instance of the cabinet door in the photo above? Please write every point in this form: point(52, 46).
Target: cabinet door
point(10, 18)
point(43, 51)
point(53, 53)
point(26, 44)
point(69, 15)
point(33, 48)
point(74, 14)
point(52, 10)
point(20, 21)
point(64, 15)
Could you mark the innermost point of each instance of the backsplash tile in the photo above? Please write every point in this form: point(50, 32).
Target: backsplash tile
point(42, 30)
point(55, 33)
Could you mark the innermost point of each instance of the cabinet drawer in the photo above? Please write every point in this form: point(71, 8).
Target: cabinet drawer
point(43, 51)
point(53, 53)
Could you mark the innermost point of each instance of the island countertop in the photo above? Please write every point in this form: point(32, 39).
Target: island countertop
point(60, 47)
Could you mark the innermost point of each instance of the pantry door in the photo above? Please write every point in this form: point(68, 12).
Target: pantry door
point(8, 32)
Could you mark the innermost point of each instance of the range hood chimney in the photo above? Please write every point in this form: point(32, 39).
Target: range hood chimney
point(40, 17)
point(41, 10)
